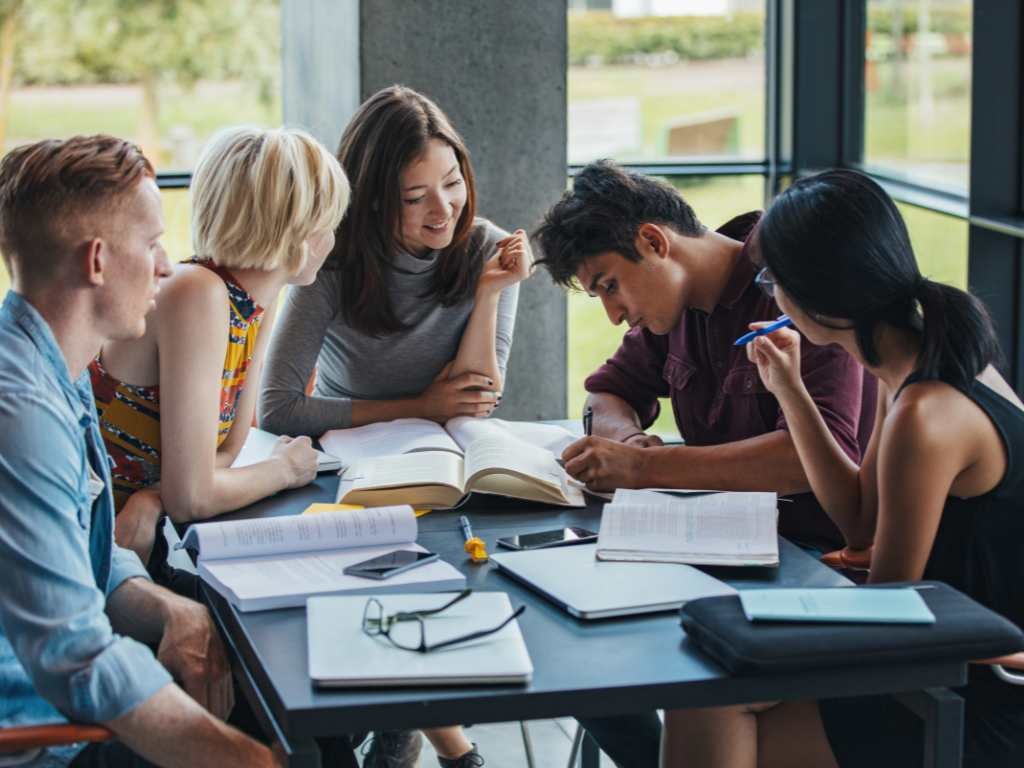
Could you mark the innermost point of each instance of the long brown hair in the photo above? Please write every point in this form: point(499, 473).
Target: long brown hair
point(390, 130)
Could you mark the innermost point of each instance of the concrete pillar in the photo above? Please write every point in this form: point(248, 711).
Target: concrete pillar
point(498, 69)
point(320, 65)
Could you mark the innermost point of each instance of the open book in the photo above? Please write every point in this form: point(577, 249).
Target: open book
point(417, 462)
point(278, 562)
point(702, 528)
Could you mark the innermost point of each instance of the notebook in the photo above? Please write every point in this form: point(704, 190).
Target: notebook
point(574, 579)
point(342, 655)
point(278, 562)
point(698, 528)
point(259, 444)
point(843, 604)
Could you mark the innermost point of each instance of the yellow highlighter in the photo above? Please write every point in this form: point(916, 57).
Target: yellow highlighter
point(474, 545)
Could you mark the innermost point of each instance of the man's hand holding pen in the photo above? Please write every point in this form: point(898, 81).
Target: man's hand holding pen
point(604, 465)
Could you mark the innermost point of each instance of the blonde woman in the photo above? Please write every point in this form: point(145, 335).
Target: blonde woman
point(175, 405)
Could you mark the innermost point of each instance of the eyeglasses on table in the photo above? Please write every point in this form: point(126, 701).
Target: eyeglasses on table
point(376, 623)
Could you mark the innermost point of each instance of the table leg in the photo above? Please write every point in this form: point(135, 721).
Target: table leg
point(943, 714)
point(591, 754)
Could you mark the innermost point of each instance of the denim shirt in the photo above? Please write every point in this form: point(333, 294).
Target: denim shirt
point(59, 656)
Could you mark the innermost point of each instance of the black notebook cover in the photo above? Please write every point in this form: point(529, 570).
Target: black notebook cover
point(964, 630)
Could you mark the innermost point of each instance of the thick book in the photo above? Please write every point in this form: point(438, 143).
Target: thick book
point(259, 444)
point(417, 462)
point(696, 528)
point(279, 562)
point(342, 655)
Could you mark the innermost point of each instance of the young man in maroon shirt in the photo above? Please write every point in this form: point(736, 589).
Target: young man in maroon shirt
point(687, 294)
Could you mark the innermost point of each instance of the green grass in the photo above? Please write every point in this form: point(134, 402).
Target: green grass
point(37, 113)
point(666, 93)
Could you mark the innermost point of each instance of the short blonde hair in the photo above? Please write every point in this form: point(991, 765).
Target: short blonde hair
point(258, 194)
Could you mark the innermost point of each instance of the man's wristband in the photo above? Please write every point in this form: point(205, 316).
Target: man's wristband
point(630, 437)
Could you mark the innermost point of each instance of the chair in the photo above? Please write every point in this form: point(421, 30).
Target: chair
point(24, 743)
point(859, 561)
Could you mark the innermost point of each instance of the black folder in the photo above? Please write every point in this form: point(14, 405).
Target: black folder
point(964, 630)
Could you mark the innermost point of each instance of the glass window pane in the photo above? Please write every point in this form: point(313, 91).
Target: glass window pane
point(657, 79)
point(164, 74)
point(593, 339)
point(917, 81)
point(940, 244)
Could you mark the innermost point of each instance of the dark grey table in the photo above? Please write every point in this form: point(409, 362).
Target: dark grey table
point(591, 668)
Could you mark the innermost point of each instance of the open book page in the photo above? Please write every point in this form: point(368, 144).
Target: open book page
point(387, 438)
point(711, 528)
point(262, 583)
point(259, 444)
point(507, 466)
point(302, 533)
point(423, 468)
point(508, 454)
point(466, 430)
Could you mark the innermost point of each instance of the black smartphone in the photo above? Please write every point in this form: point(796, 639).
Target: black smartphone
point(390, 564)
point(559, 537)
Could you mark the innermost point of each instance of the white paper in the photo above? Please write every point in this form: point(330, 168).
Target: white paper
point(466, 430)
point(387, 438)
point(508, 454)
point(302, 533)
point(424, 468)
point(260, 583)
point(259, 444)
point(727, 525)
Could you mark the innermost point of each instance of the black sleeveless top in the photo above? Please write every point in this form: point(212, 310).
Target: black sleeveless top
point(979, 546)
point(977, 549)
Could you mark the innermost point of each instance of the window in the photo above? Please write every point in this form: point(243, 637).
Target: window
point(917, 83)
point(666, 79)
point(166, 75)
point(593, 339)
point(940, 244)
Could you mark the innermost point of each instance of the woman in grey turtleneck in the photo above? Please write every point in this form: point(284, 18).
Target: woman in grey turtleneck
point(413, 313)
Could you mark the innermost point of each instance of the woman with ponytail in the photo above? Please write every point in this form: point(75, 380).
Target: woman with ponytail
point(938, 495)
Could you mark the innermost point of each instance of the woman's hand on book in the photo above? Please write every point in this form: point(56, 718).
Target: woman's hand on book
point(468, 394)
point(298, 459)
point(512, 263)
point(604, 465)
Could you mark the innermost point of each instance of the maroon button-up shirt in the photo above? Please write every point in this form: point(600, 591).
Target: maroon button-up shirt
point(717, 395)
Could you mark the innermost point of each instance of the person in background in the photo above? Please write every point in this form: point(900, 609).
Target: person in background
point(176, 404)
point(412, 315)
point(80, 227)
point(687, 294)
point(937, 494)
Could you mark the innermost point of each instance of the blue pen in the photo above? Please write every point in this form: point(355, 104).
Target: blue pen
point(746, 338)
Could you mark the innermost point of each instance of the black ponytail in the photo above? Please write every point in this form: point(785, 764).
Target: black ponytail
point(958, 339)
point(838, 246)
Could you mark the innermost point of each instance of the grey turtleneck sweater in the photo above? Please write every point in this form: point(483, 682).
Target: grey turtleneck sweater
point(350, 365)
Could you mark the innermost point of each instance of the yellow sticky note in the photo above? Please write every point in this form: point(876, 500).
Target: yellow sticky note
point(316, 509)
